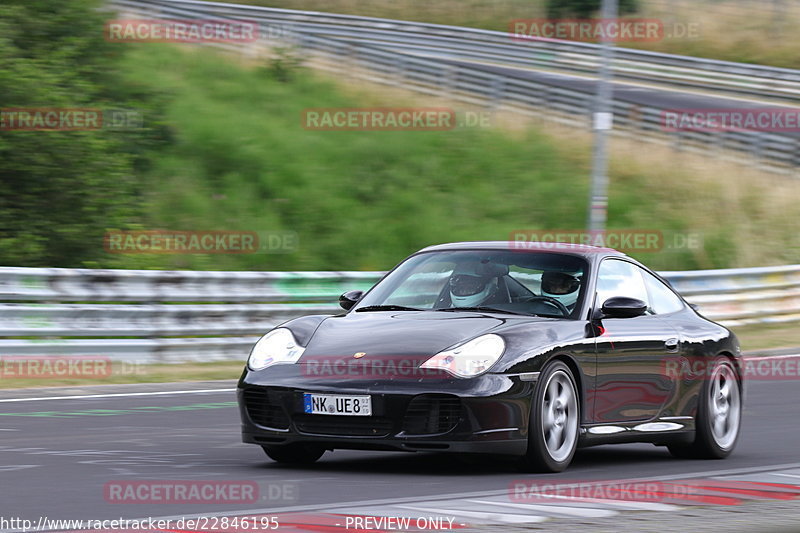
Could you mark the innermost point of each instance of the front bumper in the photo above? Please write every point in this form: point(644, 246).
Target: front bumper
point(487, 414)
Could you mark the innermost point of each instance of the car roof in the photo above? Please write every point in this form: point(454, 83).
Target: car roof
point(524, 246)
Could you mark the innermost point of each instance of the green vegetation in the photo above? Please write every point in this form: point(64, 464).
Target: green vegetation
point(363, 200)
point(59, 191)
point(358, 200)
point(223, 148)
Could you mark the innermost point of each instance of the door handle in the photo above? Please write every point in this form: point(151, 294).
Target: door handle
point(672, 344)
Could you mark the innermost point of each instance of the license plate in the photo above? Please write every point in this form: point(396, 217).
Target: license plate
point(334, 404)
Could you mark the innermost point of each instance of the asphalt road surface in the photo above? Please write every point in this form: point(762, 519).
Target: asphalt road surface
point(637, 94)
point(59, 456)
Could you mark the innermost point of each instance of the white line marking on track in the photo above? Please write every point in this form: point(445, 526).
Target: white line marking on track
point(563, 510)
point(619, 504)
point(115, 395)
point(493, 517)
point(10, 468)
point(769, 357)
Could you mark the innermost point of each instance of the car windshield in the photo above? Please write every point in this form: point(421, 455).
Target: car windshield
point(514, 282)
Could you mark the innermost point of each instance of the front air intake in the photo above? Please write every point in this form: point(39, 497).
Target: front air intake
point(264, 410)
point(431, 414)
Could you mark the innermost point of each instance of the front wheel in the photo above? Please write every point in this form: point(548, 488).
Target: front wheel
point(297, 454)
point(554, 421)
point(719, 415)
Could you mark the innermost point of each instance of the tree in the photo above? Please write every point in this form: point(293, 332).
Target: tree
point(60, 190)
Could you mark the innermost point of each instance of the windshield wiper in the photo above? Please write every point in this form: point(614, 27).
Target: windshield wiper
point(387, 308)
point(485, 308)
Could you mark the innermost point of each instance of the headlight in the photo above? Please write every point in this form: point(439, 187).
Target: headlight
point(277, 346)
point(471, 358)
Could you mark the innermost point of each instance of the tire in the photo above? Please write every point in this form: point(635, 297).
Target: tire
point(295, 454)
point(554, 421)
point(719, 415)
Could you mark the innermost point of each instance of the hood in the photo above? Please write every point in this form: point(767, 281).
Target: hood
point(397, 334)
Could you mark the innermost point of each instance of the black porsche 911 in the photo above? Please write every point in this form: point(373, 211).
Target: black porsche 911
point(490, 347)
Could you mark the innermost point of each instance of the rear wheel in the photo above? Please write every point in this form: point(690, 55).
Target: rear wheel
point(297, 454)
point(554, 421)
point(719, 414)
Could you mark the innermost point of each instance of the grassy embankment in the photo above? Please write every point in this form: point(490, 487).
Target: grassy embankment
point(363, 200)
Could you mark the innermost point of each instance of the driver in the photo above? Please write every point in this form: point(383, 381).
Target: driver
point(562, 287)
point(472, 285)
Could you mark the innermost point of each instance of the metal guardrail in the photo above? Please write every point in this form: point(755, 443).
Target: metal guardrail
point(502, 47)
point(737, 297)
point(89, 285)
point(382, 51)
point(171, 316)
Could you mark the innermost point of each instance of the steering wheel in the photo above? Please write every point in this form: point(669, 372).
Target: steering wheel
point(552, 301)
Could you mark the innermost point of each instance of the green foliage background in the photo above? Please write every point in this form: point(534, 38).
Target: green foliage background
point(223, 148)
point(59, 191)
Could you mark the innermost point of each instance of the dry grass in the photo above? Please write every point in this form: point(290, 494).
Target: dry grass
point(752, 31)
point(746, 217)
point(764, 337)
point(489, 14)
point(137, 373)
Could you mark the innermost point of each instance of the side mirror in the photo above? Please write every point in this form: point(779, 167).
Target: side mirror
point(349, 299)
point(623, 307)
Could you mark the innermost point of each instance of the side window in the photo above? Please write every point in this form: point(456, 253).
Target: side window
point(620, 278)
point(662, 299)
